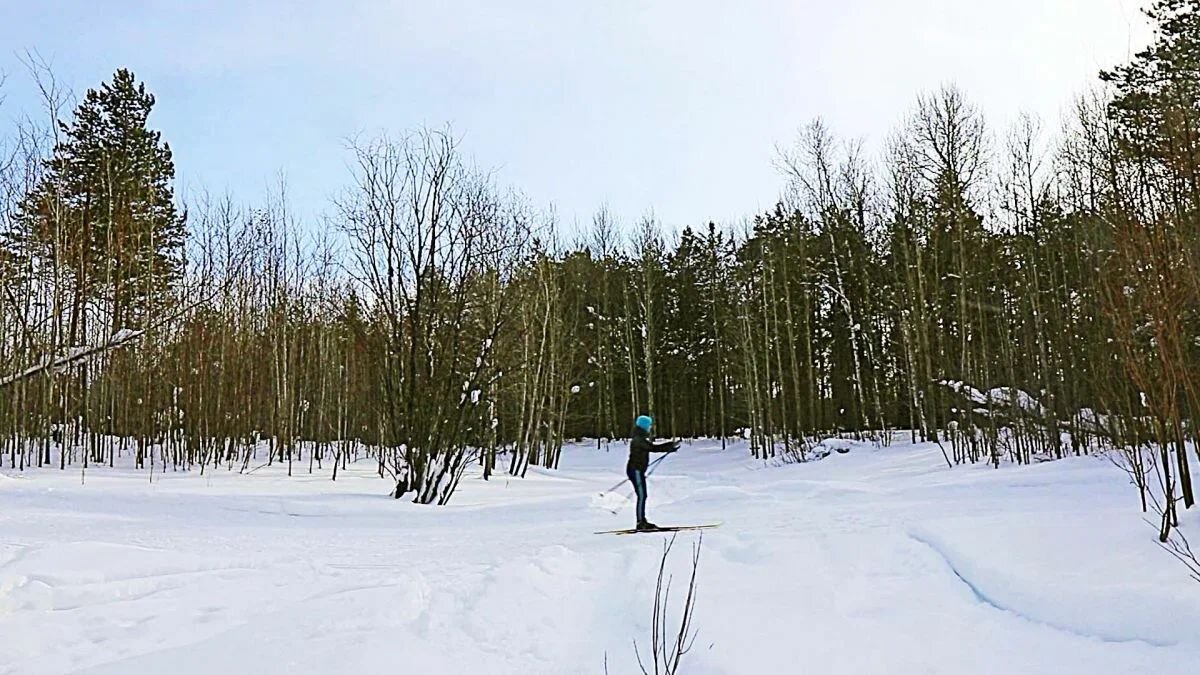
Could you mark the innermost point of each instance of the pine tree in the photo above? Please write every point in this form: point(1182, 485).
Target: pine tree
point(1157, 103)
point(104, 209)
point(1153, 291)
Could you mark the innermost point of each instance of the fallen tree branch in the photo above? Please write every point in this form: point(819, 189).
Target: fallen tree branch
point(119, 339)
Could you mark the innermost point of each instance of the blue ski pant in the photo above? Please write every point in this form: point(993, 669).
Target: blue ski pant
point(638, 478)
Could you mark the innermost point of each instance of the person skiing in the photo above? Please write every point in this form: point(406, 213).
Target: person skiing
point(640, 447)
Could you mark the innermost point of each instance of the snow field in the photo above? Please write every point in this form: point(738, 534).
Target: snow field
point(874, 561)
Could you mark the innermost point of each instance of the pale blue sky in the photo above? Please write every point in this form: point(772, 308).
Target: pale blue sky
point(670, 105)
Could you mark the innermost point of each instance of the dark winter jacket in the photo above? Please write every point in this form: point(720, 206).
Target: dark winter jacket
point(640, 447)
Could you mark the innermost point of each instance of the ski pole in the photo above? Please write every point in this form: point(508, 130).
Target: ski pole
point(655, 463)
point(649, 470)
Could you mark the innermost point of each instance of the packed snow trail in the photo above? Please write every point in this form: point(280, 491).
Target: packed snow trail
point(876, 561)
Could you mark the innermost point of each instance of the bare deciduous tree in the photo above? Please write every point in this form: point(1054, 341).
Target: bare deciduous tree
point(433, 245)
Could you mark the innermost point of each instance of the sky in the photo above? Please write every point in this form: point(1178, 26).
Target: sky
point(669, 107)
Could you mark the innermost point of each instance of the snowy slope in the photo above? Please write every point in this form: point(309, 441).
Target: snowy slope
point(875, 561)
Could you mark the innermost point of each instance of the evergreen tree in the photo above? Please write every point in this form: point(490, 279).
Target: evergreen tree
point(104, 210)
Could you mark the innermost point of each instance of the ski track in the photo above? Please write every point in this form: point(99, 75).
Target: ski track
point(981, 596)
point(871, 562)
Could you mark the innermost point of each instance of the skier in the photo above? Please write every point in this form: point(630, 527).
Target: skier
point(640, 447)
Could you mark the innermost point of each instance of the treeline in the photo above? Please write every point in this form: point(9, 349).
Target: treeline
point(1015, 295)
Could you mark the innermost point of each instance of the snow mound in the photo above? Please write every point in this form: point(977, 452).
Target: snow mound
point(840, 446)
point(1003, 398)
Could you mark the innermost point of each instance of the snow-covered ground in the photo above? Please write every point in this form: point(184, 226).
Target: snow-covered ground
point(875, 561)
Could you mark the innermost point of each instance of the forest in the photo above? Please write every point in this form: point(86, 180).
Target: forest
point(1016, 295)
